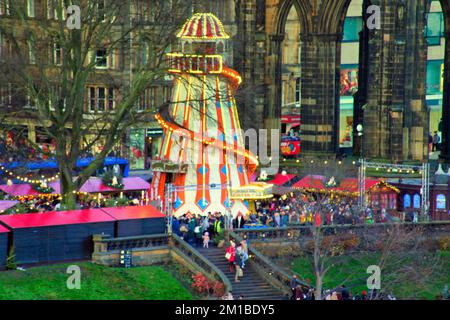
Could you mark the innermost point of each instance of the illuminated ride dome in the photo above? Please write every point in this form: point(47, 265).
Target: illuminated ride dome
point(202, 153)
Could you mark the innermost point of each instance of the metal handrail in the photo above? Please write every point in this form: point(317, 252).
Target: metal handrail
point(274, 272)
point(292, 230)
point(200, 260)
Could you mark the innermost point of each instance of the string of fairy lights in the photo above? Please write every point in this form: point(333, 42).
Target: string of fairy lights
point(389, 168)
point(13, 176)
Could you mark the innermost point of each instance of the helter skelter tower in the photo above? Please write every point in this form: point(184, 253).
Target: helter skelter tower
point(202, 153)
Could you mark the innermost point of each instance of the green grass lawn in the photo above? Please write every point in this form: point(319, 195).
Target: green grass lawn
point(353, 275)
point(97, 283)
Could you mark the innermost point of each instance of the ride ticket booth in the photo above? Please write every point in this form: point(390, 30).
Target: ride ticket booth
point(251, 193)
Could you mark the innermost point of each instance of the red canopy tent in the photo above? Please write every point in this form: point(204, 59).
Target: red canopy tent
point(55, 218)
point(311, 182)
point(95, 185)
point(281, 179)
point(26, 189)
point(351, 185)
point(139, 220)
point(3, 229)
point(130, 213)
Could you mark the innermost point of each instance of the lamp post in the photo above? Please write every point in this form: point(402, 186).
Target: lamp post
point(361, 169)
point(360, 129)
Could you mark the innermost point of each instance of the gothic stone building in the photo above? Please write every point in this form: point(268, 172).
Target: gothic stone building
point(390, 102)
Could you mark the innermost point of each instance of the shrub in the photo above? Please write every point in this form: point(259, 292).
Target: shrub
point(444, 243)
point(204, 286)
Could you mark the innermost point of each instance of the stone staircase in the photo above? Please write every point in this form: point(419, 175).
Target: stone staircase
point(252, 285)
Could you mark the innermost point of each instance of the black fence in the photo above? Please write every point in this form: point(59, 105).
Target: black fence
point(3, 249)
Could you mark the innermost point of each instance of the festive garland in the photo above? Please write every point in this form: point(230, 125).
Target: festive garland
point(45, 190)
point(111, 180)
point(117, 186)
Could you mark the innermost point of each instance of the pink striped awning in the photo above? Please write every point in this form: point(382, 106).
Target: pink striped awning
point(26, 189)
point(95, 185)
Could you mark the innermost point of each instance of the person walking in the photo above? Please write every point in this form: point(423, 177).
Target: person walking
point(238, 264)
point(206, 240)
point(293, 284)
point(436, 141)
point(230, 255)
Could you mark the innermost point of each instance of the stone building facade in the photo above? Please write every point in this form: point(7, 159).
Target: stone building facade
point(390, 103)
point(267, 38)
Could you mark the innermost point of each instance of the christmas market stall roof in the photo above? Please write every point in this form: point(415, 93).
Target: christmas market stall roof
point(26, 189)
point(3, 229)
point(281, 179)
point(6, 204)
point(137, 212)
point(56, 218)
point(311, 182)
point(351, 185)
point(138, 220)
point(56, 236)
point(95, 185)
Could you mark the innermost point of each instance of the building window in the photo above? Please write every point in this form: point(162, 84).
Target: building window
point(30, 8)
point(297, 90)
point(434, 77)
point(31, 55)
point(101, 10)
point(57, 54)
point(147, 101)
point(101, 99)
point(92, 99)
point(352, 27)
point(218, 7)
point(111, 101)
point(406, 201)
point(56, 9)
point(435, 28)
point(441, 202)
point(416, 201)
point(4, 8)
point(5, 94)
point(101, 58)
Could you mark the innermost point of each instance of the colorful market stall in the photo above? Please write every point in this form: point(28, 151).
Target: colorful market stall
point(410, 198)
point(139, 220)
point(251, 193)
point(379, 194)
point(56, 236)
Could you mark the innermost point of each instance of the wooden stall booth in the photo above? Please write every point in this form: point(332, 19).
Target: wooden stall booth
point(251, 193)
point(3, 246)
point(135, 221)
point(56, 236)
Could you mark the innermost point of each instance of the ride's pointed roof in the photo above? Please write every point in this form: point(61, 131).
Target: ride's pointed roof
point(203, 26)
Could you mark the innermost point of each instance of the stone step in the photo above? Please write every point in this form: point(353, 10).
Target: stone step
point(251, 286)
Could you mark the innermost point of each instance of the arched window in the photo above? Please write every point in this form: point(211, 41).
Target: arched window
point(406, 201)
point(416, 201)
point(441, 202)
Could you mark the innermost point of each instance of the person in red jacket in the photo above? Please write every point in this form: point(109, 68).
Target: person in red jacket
point(318, 219)
point(230, 255)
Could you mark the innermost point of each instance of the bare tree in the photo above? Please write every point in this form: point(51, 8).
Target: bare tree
point(398, 250)
point(51, 66)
